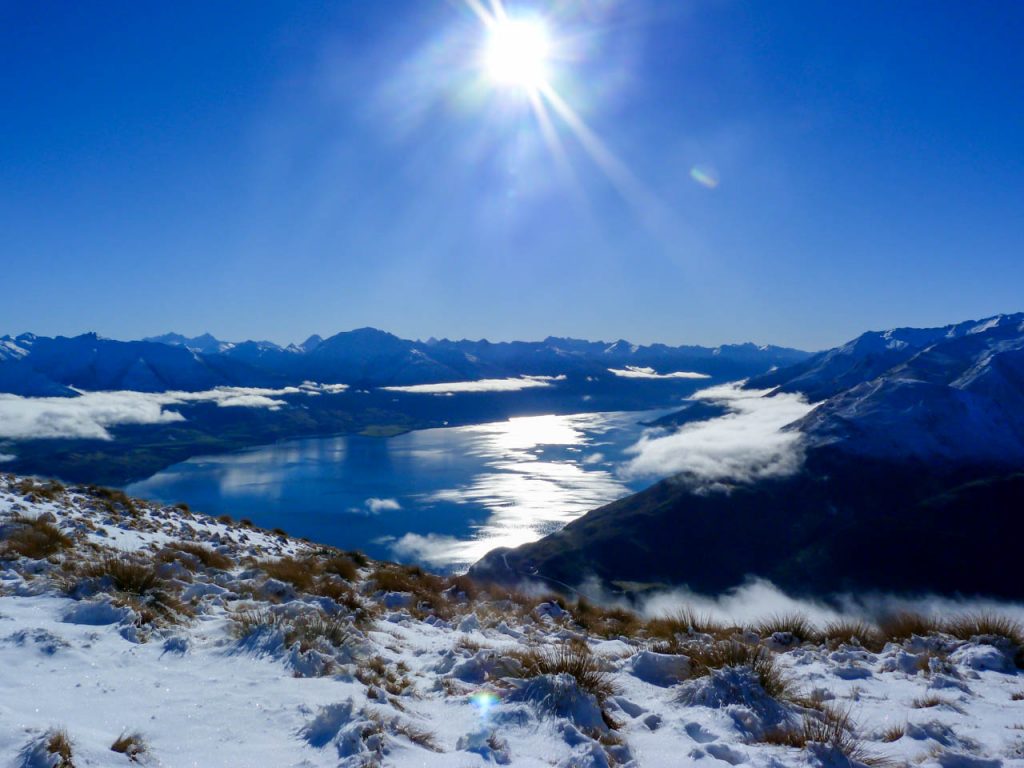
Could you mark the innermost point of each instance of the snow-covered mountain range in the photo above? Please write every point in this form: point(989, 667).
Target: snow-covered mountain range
point(38, 366)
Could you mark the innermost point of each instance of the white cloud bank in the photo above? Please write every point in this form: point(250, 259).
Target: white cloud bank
point(744, 445)
point(91, 413)
point(481, 385)
point(638, 372)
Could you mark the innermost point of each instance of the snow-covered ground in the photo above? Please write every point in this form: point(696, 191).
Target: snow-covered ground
point(331, 660)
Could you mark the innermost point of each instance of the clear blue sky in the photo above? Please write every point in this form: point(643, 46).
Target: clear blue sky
point(275, 169)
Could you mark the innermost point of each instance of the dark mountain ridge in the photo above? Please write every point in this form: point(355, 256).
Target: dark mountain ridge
point(37, 366)
point(913, 480)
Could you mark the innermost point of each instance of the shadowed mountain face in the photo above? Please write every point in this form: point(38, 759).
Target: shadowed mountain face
point(912, 479)
point(31, 365)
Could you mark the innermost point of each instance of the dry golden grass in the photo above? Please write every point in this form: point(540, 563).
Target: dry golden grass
point(45, 490)
point(931, 700)
point(892, 733)
point(687, 621)
point(796, 624)
point(705, 657)
point(130, 744)
point(140, 588)
point(58, 744)
point(905, 624)
point(605, 622)
point(207, 557)
point(390, 678)
point(571, 660)
point(112, 499)
point(427, 589)
point(984, 624)
point(33, 538)
point(852, 632)
point(416, 735)
point(343, 566)
point(832, 727)
point(298, 573)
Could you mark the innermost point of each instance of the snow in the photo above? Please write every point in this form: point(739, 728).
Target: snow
point(412, 686)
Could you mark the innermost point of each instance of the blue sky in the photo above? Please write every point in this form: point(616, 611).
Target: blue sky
point(277, 169)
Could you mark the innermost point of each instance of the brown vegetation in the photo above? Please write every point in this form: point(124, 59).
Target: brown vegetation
point(33, 538)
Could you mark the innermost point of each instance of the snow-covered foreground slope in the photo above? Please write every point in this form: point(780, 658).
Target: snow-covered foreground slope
point(252, 649)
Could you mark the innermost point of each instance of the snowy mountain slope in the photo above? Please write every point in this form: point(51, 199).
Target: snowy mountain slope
point(237, 647)
point(874, 353)
point(959, 399)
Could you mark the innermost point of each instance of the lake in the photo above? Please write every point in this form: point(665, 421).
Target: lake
point(440, 497)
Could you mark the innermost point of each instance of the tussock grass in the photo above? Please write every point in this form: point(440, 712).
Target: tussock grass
point(569, 660)
point(416, 735)
point(831, 728)
point(309, 630)
point(427, 589)
point(931, 700)
point(298, 573)
point(342, 566)
point(33, 538)
point(113, 499)
point(58, 745)
point(48, 490)
point(207, 557)
point(130, 744)
point(905, 624)
point(984, 624)
point(796, 624)
point(605, 622)
point(687, 621)
point(705, 657)
point(852, 632)
point(377, 672)
point(892, 733)
point(141, 588)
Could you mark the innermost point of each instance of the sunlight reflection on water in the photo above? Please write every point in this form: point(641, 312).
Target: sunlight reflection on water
point(443, 497)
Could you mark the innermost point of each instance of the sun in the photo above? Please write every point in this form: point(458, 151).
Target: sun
point(517, 53)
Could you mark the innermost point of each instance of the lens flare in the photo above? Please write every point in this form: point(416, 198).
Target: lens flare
point(706, 177)
point(484, 701)
point(517, 52)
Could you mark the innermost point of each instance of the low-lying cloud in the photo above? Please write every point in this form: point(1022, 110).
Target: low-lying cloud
point(744, 445)
point(375, 506)
point(639, 372)
point(481, 385)
point(436, 550)
point(91, 414)
point(759, 599)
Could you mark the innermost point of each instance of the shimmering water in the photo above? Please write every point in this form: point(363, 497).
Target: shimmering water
point(442, 497)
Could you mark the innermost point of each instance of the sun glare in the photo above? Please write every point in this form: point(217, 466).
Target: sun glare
point(517, 53)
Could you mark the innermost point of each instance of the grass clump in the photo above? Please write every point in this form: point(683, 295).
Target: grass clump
point(207, 557)
point(33, 538)
point(427, 589)
point(971, 626)
point(58, 746)
point(49, 490)
point(378, 673)
point(687, 621)
point(299, 573)
point(906, 624)
point(795, 624)
point(343, 566)
point(112, 499)
point(729, 653)
point(832, 729)
point(852, 632)
point(570, 659)
point(130, 744)
point(605, 622)
point(140, 587)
